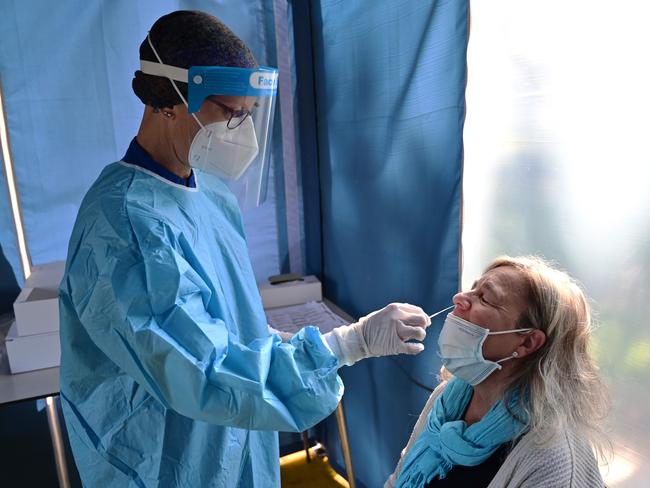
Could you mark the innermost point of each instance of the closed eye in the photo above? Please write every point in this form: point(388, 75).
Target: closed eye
point(488, 302)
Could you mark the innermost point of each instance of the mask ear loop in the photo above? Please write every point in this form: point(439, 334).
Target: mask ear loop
point(499, 332)
point(515, 354)
point(173, 82)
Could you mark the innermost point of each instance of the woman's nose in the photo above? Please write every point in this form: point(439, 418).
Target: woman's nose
point(462, 301)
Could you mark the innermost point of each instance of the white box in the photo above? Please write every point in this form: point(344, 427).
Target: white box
point(37, 306)
point(291, 292)
point(46, 275)
point(37, 311)
point(37, 351)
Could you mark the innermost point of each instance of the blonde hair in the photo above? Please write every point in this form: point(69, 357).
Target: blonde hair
point(560, 384)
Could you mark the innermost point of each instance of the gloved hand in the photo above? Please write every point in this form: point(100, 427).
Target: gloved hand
point(381, 333)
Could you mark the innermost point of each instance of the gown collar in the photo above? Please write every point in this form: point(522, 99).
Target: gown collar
point(137, 156)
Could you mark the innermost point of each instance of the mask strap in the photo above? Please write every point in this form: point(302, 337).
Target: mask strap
point(512, 356)
point(173, 82)
point(510, 331)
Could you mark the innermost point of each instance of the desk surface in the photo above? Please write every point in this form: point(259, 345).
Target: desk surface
point(45, 382)
point(338, 311)
point(29, 385)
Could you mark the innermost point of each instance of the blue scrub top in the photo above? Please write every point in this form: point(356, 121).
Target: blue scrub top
point(169, 376)
point(136, 155)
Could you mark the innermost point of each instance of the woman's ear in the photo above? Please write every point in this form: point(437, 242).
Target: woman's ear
point(533, 341)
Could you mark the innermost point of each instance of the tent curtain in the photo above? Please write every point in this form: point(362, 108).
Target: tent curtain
point(389, 83)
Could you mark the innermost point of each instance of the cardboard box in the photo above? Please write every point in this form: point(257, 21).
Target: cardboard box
point(291, 293)
point(37, 306)
point(37, 351)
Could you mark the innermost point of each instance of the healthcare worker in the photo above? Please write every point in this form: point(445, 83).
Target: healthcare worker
point(169, 374)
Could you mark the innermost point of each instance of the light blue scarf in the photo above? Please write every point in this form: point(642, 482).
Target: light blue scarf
point(447, 441)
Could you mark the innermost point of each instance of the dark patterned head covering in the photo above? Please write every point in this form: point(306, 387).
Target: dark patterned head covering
point(183, 39)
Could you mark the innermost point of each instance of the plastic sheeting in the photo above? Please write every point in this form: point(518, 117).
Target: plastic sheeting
point(71, 111)
point(390, 80)
point(575, 186)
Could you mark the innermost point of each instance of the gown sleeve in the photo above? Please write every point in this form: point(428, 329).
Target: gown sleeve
point(146, 307)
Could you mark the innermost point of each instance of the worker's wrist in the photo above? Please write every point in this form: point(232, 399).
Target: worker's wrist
point(332, 344)
point(347, 344)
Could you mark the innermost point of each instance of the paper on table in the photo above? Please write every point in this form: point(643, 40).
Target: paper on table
point(293, 318)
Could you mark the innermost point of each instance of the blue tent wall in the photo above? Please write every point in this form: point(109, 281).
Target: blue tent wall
point(389, 79)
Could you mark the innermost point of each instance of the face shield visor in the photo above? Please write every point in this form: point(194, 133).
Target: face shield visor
point(235, 147)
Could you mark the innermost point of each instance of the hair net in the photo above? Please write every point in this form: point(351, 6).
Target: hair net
point(187, 38)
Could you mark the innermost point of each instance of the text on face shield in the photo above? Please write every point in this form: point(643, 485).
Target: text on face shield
point(263, 80)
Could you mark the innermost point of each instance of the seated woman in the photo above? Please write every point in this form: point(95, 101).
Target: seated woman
point(522, 402)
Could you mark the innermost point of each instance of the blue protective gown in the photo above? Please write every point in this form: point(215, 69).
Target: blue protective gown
point(169, 376)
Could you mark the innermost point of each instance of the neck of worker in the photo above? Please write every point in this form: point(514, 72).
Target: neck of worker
point(157, 138)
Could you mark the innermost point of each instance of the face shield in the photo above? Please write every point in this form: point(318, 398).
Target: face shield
point(235, 147)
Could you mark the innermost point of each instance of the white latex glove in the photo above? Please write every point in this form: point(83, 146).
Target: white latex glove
point(381, 333)
point(285, 336)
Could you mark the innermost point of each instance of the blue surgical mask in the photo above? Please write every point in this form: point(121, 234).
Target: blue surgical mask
point(461, 349)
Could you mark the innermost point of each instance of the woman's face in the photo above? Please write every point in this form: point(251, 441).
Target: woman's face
point(495, 302)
